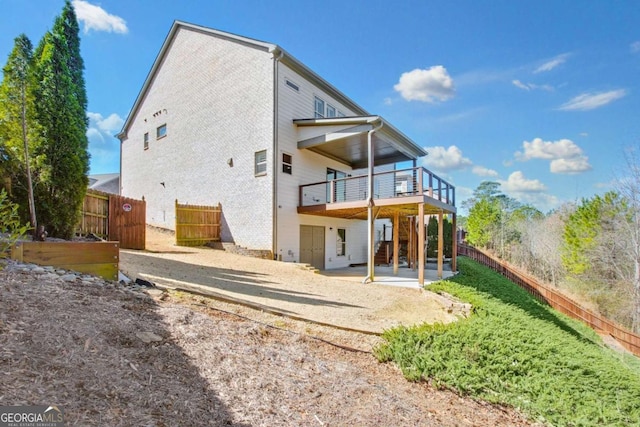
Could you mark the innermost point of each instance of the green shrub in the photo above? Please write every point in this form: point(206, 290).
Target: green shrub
point(10, 227)
point(517, 351)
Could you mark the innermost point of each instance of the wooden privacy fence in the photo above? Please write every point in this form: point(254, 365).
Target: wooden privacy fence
point(114, 218)
point(197, 225)
point(96, 258)
point(554, 298)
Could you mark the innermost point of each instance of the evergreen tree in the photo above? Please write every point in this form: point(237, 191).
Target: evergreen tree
point(19, 131)
point(61, 111)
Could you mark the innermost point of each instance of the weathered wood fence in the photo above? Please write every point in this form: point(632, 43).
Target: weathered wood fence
point(554, 298)
point(197, 225)
point(96, 258)
point(115, 218)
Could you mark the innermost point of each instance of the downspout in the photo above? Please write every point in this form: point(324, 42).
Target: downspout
point(370, 205)
point(277, 55)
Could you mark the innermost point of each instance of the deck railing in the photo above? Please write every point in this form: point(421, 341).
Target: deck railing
point(388, 184)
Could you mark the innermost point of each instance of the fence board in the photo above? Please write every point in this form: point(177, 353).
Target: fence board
point(197, 225)
point(95, 212)
point(98, 258)
point(554, 298)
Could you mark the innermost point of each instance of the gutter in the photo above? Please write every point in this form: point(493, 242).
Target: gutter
point(277, 56)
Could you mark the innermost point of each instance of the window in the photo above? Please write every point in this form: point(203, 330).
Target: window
point(339, 186)
point(261, 163)
point(319, 108)
point(341, 114)
point(292, 85)
point(161, 131)
point(341, 242)
point(331, 111)
point(146, 141)
point(287, 163)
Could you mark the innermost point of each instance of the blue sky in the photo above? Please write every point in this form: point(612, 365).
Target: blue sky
point(541, 96)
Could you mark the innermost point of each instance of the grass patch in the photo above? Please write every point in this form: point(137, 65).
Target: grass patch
point(516, 351)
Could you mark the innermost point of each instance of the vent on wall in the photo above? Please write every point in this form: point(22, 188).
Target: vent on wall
point(292, 85)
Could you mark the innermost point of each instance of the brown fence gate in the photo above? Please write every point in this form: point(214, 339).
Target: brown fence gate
point(115, 218)
point(197, 225)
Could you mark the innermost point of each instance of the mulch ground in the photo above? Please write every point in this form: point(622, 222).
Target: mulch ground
point(111, 356)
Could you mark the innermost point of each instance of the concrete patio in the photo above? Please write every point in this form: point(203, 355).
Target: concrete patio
point(406, 277)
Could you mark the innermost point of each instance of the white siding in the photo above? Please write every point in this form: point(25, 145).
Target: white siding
point(308, 167)
point(216, 98)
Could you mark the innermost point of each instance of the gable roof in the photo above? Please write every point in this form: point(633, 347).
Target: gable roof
point(274, 49)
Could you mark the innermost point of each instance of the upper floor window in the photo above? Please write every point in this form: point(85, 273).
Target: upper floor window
point(261, 163)
point(146, 141)
point(287, 163)
point(292, 85)
point(331, 111)
point(161, 131)
point(319, 108)
point(341, 114)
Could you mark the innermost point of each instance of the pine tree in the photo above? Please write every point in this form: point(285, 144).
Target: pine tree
point(19, 131)
point(61, 111)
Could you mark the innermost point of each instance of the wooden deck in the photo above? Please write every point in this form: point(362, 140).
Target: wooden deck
point(398, 191)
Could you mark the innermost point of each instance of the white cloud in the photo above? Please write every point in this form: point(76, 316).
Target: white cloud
point(521, 85)
point(570, 166)
point(96, 18)
point(552, 63)
point(103, 145)
point(590, 101)
point(109, 125)
point(584, 134)
point(539, 149)
point(428, 85)
point(443, 159)
point(388, 101)
point(565, 155)
point(530, 86)
point(635, 47)
point(517, 183)
point(482, 171)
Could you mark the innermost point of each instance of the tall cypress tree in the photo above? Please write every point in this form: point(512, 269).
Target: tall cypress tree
point(61, 110)
point(19, 131)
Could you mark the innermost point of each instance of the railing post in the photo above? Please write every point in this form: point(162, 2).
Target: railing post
point(332, 191)
point(420, 181)
point(430, 184)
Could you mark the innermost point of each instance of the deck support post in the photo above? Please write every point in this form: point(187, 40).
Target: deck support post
point(396, 241)
point(421, 244)
point(440, 244)
point(370, 217)
point(454, 244)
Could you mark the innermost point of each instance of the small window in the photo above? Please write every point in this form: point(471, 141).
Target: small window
point(292, 85)
point(286, 163)
point(319, 108)
point(146, 141)
point(341, 242)
point(341, 114)
point(161, 131)
point(331, 111)
point(261, 163)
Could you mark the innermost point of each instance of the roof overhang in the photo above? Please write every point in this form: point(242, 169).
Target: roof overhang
point(344, 139)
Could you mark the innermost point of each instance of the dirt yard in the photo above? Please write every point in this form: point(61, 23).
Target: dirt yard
point(284, 288)
point(111, 356)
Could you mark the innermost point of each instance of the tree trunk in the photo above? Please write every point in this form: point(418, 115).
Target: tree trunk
point(25, 139)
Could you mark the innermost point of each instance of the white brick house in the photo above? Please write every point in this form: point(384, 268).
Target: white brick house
point(228, 119)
